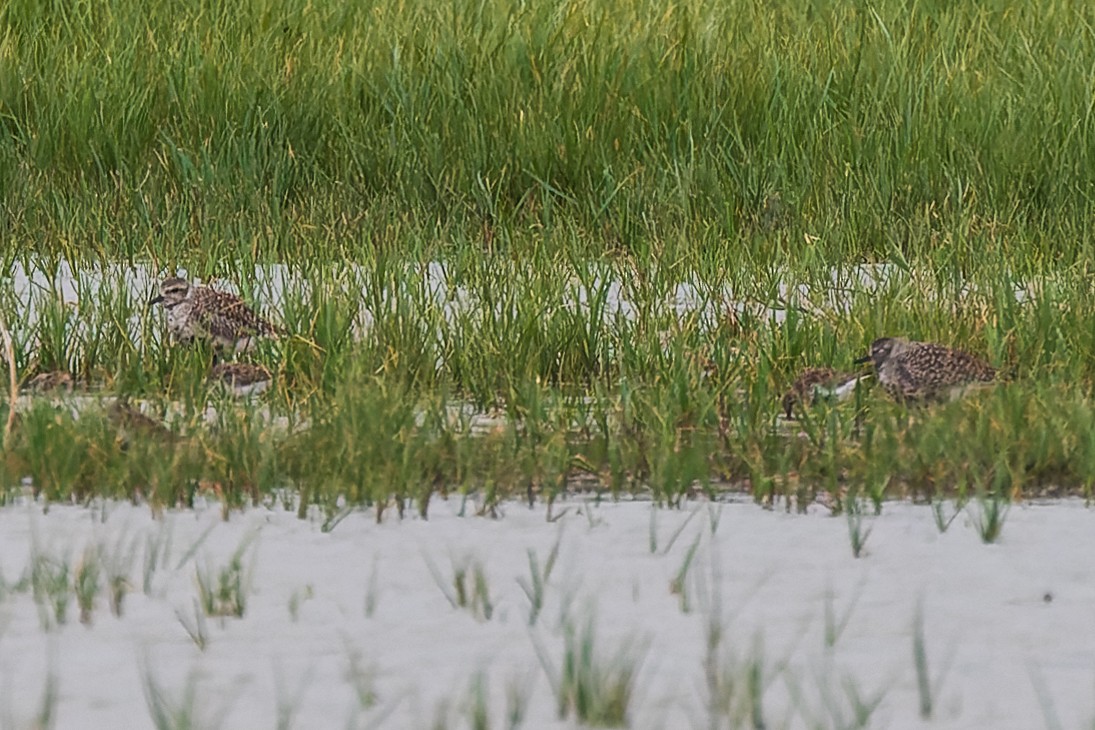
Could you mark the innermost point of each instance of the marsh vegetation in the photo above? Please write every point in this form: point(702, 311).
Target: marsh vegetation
point(622, 228)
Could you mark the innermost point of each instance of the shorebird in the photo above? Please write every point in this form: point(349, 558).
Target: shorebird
point(50, 381)
point(131, 422)
point(198, 312)
point(815, 384)
point(241, 378)
point(924, 371)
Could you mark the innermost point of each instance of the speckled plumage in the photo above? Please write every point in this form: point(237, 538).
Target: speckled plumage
point(924, 371)
point(813, 384)
point(198, 312)
point(132, 423)
point(241, 378)
point(50, 381)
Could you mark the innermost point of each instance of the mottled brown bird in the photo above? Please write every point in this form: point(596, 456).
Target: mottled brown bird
point(814, 384)
point(199, 312)
point(241, 378)
point(913, 371)
point(50, 382)
point(132, 423)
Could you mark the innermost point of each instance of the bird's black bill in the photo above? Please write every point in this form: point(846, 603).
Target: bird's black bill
point(155, 300)
point(861, 360)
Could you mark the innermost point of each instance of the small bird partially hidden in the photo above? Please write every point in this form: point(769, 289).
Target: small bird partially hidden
point(241, 378)
point(912, 371)
point(199, 312)
point(132, 423)
point(50, 381)
point(816, 384)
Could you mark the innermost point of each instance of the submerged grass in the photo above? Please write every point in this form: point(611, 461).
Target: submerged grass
point(225, 591)
point(621, 228)
point(394, 417)
point(596, 690)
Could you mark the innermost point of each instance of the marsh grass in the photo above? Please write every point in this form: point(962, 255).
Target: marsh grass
point(679, 531)
point(362, 680)
point(469, 587)
point(46, 717)
point(117, 560)
point(595, 689)
point(843, 702)
point(858, 532)
point(158, 543)
point(51, 584)
point(184, 712)
point(372, 589)
point(395, 438)
point(989, 515)
point(518, 695)
point(940, 517)
point(47, 712)
point(477, 708)
point(734, 687)
point(834, 625)
point(625, 227)
point(535, 587)
point(196, 627)
point(223, 592)
point(1050, 715)
point(288, 702)
point(920, 662)
point(678, 584)
point(87, 583)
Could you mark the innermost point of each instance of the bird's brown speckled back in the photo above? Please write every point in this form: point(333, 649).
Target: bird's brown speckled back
point(925, 371)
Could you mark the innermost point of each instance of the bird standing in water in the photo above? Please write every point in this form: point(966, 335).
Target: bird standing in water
point(199, 312)
point(816, 384)
point(912, 371)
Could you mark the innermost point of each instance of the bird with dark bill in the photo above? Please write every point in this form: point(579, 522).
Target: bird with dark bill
point(241, 378)
point(912, 371)
point(817, 384)
point(199, 312)
point(132, 423)
point(51, 381)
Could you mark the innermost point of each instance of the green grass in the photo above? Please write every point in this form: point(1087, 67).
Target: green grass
point(215, 132)
point(552, 159)
point(387, 420)
point(225, 591)
point(596, 690)
point(183, 712)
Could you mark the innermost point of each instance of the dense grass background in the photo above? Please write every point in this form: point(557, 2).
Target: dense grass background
point(545, 153)
point(273, 127)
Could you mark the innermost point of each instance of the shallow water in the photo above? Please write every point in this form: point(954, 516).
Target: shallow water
point(1006, 627)
point(33, 285)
